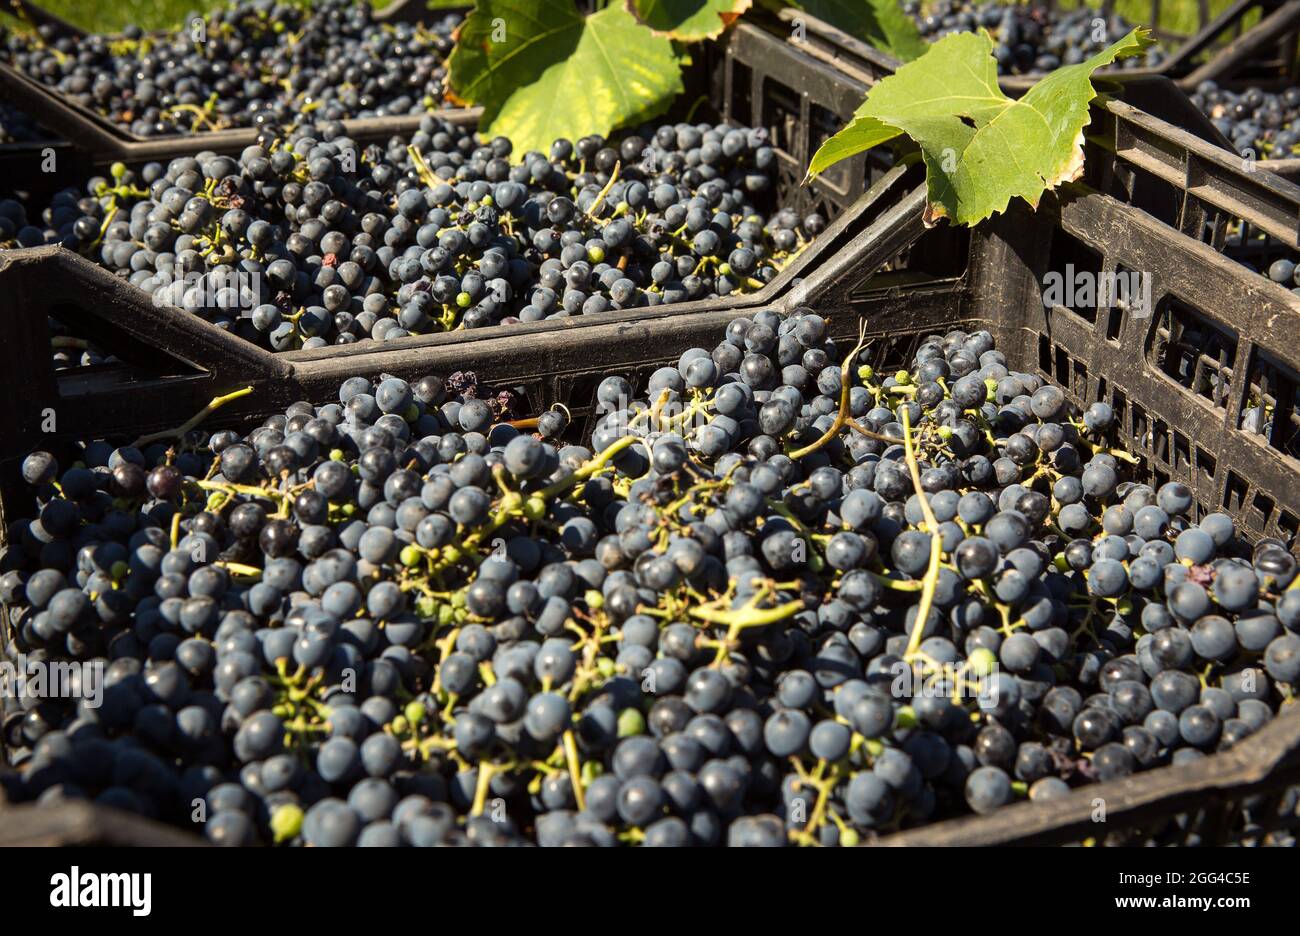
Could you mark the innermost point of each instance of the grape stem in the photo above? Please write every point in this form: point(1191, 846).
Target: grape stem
point(421, 167)
point(931, 580)
point(590, 468)
point(748, 615)
point(193, 421)
point(575, 770)
point(846, 384)
point(486, 771)
point(863, 430)
point(595, 206)
point(239, 568)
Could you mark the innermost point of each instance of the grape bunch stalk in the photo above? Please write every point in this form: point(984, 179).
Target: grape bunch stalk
point(784, 596)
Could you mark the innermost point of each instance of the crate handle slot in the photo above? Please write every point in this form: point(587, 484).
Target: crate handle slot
point(44, 282)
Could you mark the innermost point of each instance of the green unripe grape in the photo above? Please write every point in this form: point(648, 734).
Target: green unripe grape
point(945, 432)
point(606, 667)
point(982, 661)
point(630, 722)
point(451, 553)
point(590, 771)
point(445, 615)
point(458, 599)
point(337, 455)
point(415, 712)
point(410, 556)
point(487, 201)
point(906, 717)
point(412, 413)
point(286, 822)
point(903, 378)
point(535, 508)
point(400, 725)
point(993, 387)
point(724, 268)
point(595, 600)
point(463, 300)
point(117, 171)
point(595, 254)
point(849, 838)
point(866, 372)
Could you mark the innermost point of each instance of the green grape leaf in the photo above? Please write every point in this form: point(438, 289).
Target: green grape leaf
point(541, 70)
point(879, 22)
point(688, 20)
point(980, 147)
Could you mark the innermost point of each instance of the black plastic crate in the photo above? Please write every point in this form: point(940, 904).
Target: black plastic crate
point(103, 141)
point(750, 78)
point(1147, 145)
point(173, 363)
point(1247, 210)
point(1208, 314)
point(1223, 48)
point(545, 364)
point(79, 824)
point(879, 265)
point(760, 76)
point(905, 282)
point(1166, 418)
point(748, 83)
point(1190, 183)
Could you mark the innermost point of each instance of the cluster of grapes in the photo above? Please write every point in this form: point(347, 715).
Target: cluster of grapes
point(14, 228)
point(781, 598)
point(1260, 124)
point(1256, 251)
point(316, 240)
point(18, 127)
point(1246, 250)
point(256, 63)
point(1030, 39)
